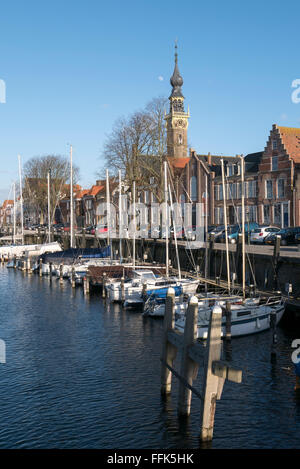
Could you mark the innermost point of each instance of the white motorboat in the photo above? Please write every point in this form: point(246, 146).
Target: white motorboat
point(144, 281)
point(156, 308)
point(248, 317)
point(30, 250)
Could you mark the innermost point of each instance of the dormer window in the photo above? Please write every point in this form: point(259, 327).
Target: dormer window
point(229, 170)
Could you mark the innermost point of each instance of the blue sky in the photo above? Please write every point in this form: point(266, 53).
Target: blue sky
point(72, 68)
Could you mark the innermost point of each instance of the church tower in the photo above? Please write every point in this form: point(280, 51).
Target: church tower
point(177, 119)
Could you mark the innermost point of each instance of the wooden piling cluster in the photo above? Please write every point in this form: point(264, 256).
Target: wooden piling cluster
point(193, 355)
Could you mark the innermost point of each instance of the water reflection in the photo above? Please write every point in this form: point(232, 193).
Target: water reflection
point(82, 372)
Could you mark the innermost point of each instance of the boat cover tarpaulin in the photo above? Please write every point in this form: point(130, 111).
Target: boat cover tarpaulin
point(162, 292)
point(70, 255)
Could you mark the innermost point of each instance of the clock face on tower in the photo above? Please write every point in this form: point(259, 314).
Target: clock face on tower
point(180, 123)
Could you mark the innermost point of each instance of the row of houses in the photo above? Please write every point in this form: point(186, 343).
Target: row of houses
point(86, 202)
point(272, 186)
point(272, 181)
point(6, 213)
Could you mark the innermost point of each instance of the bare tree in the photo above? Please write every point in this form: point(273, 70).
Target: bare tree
point(137, 146)
point(35, 187)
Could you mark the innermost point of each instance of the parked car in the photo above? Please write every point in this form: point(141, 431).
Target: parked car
point(67, 227)
point(287, 235)
point(217, 232)
point(42, 227)
point(101, 229)
point(233, 232)
point(297, 238)
point(58, 227)
point(90, 229)
point(189, 233)
point(258, 235)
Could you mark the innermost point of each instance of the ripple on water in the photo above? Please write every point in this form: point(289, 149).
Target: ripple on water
point(84, 374)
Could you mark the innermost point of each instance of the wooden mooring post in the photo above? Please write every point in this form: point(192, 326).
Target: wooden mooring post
point(104, 285)
point(194, 354)
point(61, 279)
point(228, 320)
point(73, 277)
point(273, 335)
point(122, 289)
point(28, 266)
point(86, 284)
point(276, 256)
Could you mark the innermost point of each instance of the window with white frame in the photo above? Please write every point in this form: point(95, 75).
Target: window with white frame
point(250, 189)
point(274, 162)
point(216, 216)
point(220, 192)
point(280, 188)
point(228, 191)
point(221, 215)
point(277, 214)
point(252, 213)
point(274, 144)
point(266, 213)
point(239, 190)
point(239, 214)
point(233, 190)
point(269, 189)
point(216, 192)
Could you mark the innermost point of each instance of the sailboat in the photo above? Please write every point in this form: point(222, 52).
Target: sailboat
point(145, 284)
point(249, 315)
point(18, 250)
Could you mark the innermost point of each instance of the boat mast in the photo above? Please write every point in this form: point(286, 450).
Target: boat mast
point(206, 225)
point(166, 218)
point(134, 225)
point(14, 189)
point(175, 234)
point(225, 223)
point(243, 224)
point(120, 215)
point(108, 213)
point(206, 232)
point(21, 199)
point(49, 214)
point(71, 199)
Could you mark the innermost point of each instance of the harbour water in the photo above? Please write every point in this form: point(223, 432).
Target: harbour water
point(82, 373)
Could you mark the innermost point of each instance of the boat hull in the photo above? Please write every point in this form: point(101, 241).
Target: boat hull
point(258, 322)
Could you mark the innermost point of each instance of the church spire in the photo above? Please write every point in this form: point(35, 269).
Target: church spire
point(176, 79)
point(177, 119)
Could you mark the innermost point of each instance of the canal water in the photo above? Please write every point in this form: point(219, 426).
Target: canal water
point(80, 373)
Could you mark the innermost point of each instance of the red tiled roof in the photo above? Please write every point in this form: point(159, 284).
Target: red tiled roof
point(95, 190)
point(7, 202)
point(178, 163)
point(290, 137)
point(81, 193)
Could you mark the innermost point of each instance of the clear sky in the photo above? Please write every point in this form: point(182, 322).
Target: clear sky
point(71, 68)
